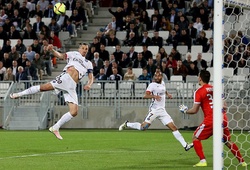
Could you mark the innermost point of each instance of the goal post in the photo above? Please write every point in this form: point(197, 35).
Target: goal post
point(231, 38)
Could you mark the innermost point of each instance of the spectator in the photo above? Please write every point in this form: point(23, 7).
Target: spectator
point(119, 14)
point(243, 38)
point(103, 54)
point(14, 55)
point(14, 67)
point(16, 20)
point(7, 62)
point(145, 75)
point(171, 63)
point(203, 16)
point(210, 46)
point(132, 54)
point(114, 65)
point(115, 76)
point(198, 25)
point(131, 40)
point(176, 55)
point(139, 27)
point(43, 4)
point(165, 69)
point(173, 17)
point(191, 31)
point(46, 57)
point(106, 67)
point(188, 60)
point(157, 61)
point(202, 40)
point(2, 71)
point(49, 12)
point(125, 61)
point(90, 54)
point(230, 63)
point(30, 54)
point(95, 69)
point(151, 67)
point(146, 53)
point(36, 46)
point(76, 19)
point(62, 21)
point(242, 63)
point(118, 53)
point(145, 39)
point(3, 17)
point(53, 26)
point(29, 33)
point(6, 48)
point(140, 61)
point(22, 60)
point(96, 44)
point(3, 34)
point(36, 12)
point(209, 25)
point(144, 19)
point(155, 23)
point(9, 10)
point(193, 70)
point(31, 71)
point(200, 63)
point(180, 70)
point(38, 63)
point(14, 34)
point(24, 11)
point(112, 40)
point(183, 23)
point(101, 75)
point(157, 40)
point(55, 40)
point(41, 38)
point(184, 39)
point(165, 24)
point(70, 4)
point(9, 76)
point(172, 39)
point(97, 60)
point(21, 74)
point(37, 26)
point(163, 53)
point(20, 47)
point(132, 28)
point(129, 75)
point(152, 4)
point(69, 27)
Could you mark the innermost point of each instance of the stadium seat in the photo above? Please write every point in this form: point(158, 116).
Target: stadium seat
point(195, 49)
point(150, 12)
point(228, 72)
point(3, 89)
point(63, 35)
point(1, 42)
point(167, 49)
point(243, 71)
point(27, 42)
point(96, 90)
point(150, 34)
point(154, 50)
point(110, 49)
point(183, 49)
point(209, 33)
point(46, 21)
point(121, 35)
point(125, 89)
point(164, 34)
point(207, 57)
point(137, 72)
point(110, 89)
point(32, 21)
point(190, 78)
point(176, 78)
point(140, 89)
point(13, 42)
point(68, 13)
point(138, 48)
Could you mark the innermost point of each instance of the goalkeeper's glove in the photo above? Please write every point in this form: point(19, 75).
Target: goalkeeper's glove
point(183, 108)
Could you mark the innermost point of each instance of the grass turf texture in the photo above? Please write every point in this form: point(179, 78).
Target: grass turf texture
point(101, 150)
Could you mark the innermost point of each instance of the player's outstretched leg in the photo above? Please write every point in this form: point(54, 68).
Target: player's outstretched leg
point(31, 90)
point(123, 126)
point(188, 146)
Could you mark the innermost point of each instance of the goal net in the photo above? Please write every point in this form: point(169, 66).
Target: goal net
point(236, 77)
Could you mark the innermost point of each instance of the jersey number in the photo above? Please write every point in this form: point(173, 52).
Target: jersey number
point(210, 98)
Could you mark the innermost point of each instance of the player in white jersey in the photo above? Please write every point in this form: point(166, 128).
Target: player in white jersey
point(157, 92)
point(77, 66)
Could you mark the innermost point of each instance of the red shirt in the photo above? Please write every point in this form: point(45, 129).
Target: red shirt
point(56, 42)
point(204, 97)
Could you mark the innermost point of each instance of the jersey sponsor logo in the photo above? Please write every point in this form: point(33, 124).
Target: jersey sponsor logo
point(79, 61)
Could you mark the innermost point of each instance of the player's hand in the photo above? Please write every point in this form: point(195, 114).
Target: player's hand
point(170, 96)
point(87, 87)
point(183, 108)
point(157, 98)
point(50, 47)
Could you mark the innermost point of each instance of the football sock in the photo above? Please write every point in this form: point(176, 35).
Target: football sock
point(235, 150)
point(31, 90)
point(65, 118)
point(135, 125)
point(179, 137)
point(198, 149)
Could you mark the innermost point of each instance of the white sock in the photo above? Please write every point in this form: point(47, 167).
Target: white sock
point(135, 125)
point(31, 90)
point(65, 118)
point(179, 137)
point(203, 160)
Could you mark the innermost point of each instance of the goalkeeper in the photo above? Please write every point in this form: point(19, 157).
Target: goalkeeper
point(203, 97)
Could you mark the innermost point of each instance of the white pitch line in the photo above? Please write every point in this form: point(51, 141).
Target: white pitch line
point(67, 152)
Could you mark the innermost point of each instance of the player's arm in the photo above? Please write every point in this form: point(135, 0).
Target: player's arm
point(169, 95)
point(194, 109)
point(90, 81)
point(56, 53)
point(149, 95)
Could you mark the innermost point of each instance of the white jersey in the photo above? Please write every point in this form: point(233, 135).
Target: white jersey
point(81, 64)
point(159, 90)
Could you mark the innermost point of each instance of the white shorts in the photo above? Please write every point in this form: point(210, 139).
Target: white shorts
point(65, 83)
point(161, 114)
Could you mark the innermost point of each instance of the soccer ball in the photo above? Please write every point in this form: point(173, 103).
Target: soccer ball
point(59, 8)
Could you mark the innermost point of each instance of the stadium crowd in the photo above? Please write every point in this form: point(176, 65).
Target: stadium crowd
point(187, 26)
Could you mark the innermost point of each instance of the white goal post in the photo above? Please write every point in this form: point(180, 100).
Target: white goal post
point(239, 97)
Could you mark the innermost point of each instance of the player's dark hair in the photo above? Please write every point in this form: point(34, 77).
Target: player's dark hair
point(205, 76)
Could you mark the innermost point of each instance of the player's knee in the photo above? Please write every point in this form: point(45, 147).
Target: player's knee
point(144, 127)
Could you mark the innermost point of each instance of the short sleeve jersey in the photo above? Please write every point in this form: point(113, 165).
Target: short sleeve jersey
point(159, 90)
point(81, 64)
point(204, 97)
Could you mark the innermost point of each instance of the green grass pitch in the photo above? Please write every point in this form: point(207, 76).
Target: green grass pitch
point(100, 150)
